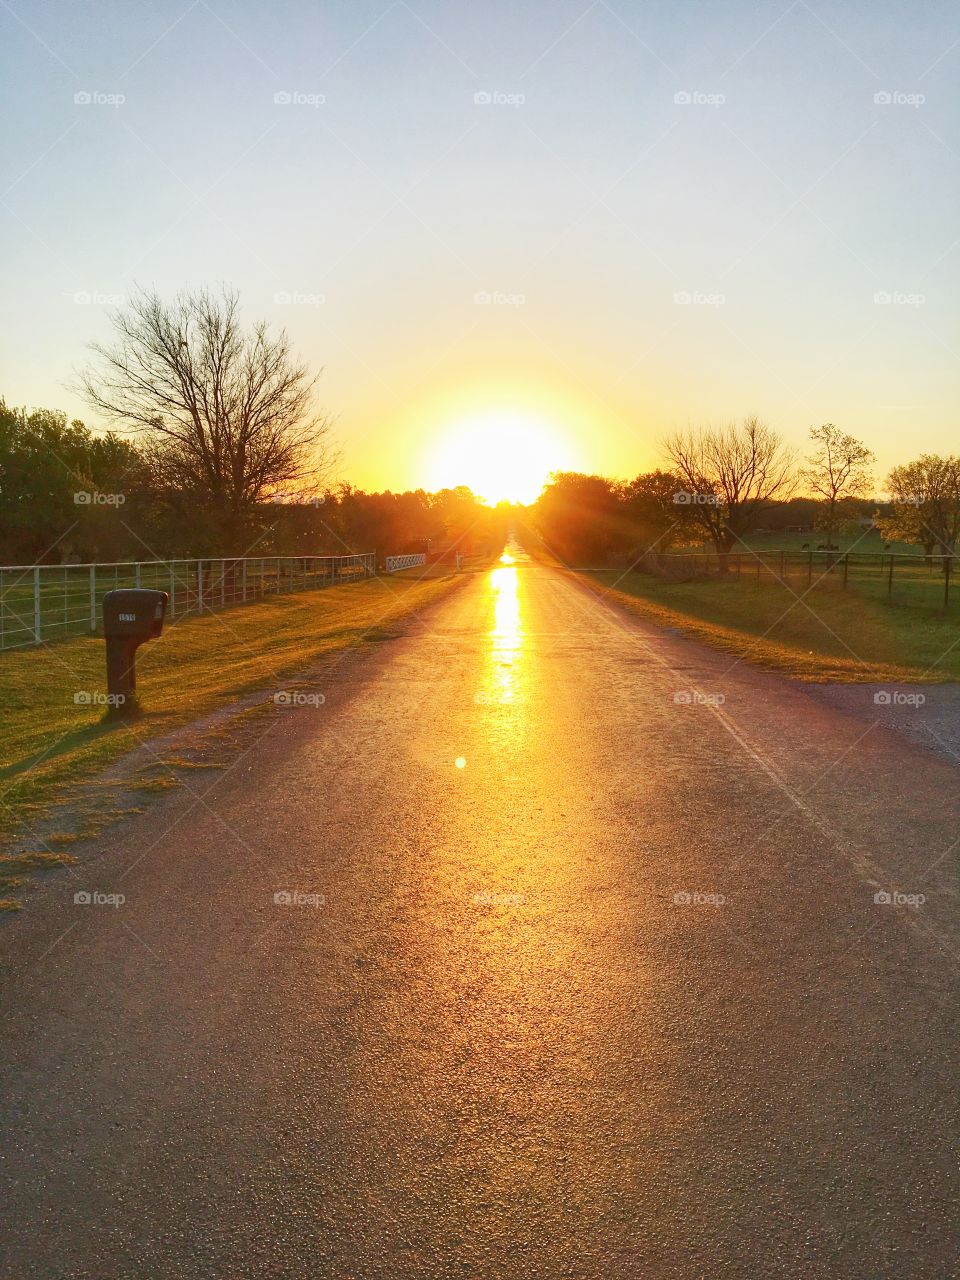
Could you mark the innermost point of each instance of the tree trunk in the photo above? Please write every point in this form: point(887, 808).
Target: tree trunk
point(723, 544)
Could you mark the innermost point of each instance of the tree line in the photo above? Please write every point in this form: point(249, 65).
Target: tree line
point(216, 448)
point(720, 485)
point(69, 495)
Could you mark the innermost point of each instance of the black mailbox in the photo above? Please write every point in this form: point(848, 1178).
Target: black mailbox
point(129, 618)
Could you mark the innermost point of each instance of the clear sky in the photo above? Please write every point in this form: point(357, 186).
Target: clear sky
point(580, 196)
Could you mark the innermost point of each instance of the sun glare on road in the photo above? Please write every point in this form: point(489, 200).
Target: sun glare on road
point(506, 634)
point(507, 628)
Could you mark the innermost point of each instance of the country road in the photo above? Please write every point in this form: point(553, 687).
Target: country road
point(577, 971)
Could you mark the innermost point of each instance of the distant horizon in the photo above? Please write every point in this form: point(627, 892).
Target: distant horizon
point(650, 450)
point(342, 478)
point(602, 223)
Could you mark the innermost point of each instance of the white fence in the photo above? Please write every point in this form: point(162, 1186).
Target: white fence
point(392, 564)
point(46, 602)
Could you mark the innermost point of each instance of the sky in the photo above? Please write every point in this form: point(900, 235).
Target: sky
point(515, 237)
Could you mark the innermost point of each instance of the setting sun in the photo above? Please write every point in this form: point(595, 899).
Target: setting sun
point(501, 456)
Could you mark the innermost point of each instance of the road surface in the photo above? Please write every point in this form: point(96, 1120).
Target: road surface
point(576, 971)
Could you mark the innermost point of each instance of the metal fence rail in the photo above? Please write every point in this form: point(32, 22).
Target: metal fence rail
point(46, 602)
point(393, 564)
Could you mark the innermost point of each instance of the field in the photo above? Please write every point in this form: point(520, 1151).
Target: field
point(909, 580)
point(870, 542)
point(818, 633)
point(51, 745)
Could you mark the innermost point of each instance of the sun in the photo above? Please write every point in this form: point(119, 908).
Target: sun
point(503, 456)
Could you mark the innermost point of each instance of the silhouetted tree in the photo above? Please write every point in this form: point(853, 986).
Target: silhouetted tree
point(838, 470)
point(926, 504)
point(656, 519)
point(731, 475)
point(581, 518)
point(52, 474)
point(225, 414)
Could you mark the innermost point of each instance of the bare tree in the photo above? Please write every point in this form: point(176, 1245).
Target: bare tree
point(224, 413)
point(732, 475)
point(839, 469)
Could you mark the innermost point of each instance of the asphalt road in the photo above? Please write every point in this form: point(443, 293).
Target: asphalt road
point(585, 978)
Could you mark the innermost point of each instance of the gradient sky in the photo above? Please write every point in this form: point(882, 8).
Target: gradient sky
point(583, 199)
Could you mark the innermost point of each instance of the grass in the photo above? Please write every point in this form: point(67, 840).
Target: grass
point(52, 749)
point(832, 635)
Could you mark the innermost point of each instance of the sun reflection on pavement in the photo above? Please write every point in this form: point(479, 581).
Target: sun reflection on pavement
point(506, 634)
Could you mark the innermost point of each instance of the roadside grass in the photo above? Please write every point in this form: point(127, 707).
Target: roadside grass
point(51, 748)
point(831, 635)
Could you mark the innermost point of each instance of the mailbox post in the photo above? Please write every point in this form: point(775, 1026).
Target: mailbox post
point(129, 618)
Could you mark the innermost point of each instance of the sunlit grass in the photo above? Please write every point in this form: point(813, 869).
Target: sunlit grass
point(829, 635)
point(51, 748)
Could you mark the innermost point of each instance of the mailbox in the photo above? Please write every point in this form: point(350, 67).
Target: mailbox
point(129, 618)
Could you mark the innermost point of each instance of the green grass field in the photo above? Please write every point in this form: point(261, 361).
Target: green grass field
point(52, 748)
point(825, 635)
point(866, 542)
point(899, 579)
